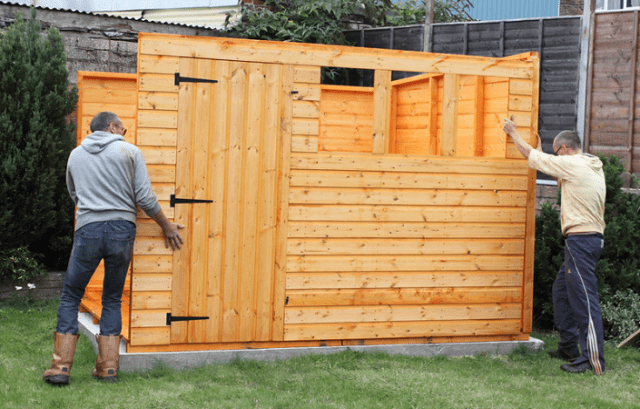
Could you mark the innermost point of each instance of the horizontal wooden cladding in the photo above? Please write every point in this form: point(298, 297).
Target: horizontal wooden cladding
point(393, 313)
point(329, 56)
point(149, 318)
point(151, 336)
point(153, 264)
point(400, 329)
point(331, 246)
point(405, 180)
point(404, 296)
point(403, 263)
point(151, 300)
point(405, 163)
point(423, 197)
point(381, 213)
point(407, 230)
point(386, 280)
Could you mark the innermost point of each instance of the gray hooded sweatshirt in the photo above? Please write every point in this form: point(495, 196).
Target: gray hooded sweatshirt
point(106, 178)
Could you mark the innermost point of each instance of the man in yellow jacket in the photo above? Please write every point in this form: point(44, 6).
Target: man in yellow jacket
point(576, 303)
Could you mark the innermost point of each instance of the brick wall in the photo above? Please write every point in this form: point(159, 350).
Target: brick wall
point(571, 7)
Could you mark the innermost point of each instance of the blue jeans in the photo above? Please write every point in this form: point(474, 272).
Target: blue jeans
point(112, 241)
point(576, 303)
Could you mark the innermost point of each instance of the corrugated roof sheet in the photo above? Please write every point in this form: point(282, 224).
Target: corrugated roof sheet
point(124, 17)
point(513, 9)
point(211, 17)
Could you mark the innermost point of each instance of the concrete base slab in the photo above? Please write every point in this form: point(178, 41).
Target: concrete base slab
point(189, 359)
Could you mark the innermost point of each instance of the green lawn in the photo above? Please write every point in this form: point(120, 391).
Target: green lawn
point(522, 379)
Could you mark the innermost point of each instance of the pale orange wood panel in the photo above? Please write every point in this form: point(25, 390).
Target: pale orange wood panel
point(157, 119)
point(391, 313)
point(199, 189)
point(125, 108)
point(450, 115)
point(151, 282)
point(150, 336)
point(444, 262)
point(304, 144)
point(382, 213)
point(333, 246)
point(420, 279)
point(153, 264)
point(478, 118)
point(400, 329)
point(252, 189)
point(159, 156)
point(182, 257)
point(282, 218)
point(105, 95)
point(271, 146)
point(231, 346)
point(234, 205)
point(398, 180)
point(151, 246)
point(163, 190)
point(149, 318)
point(435, 138)
point(162, 173)
point(158, 82)
point(527, 301)
point(437, 340)
point(308, 74)
point(329, 55)
point(306, 92)
point(219, 123)
point(306, 109)
point(157, 137)
point(164, 204)
point(313, 195)
point(151, 300)
point(150, 64)
point(407, 230)
point(393, 119)
point(381, 111)
point(399, 163)
point(404, 296)
point(520, 87)
point(158, 100)
point(305, 127)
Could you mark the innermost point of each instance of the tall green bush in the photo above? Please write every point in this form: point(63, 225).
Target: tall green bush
point(619, 267)
point(35, 138)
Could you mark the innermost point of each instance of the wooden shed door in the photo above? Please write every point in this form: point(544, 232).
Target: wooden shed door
point(229, 147)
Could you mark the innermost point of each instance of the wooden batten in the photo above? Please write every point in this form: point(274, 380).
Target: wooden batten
point(333, 215)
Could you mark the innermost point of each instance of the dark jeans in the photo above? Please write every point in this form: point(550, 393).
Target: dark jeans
point(112, 241)
point(576, 303)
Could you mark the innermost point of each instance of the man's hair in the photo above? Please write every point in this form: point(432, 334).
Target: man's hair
point(101, 121)
point(570, 139)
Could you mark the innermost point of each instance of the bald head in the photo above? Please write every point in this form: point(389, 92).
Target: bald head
point(569, 139)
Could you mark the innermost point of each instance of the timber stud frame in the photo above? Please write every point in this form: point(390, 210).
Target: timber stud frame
point(326, 215)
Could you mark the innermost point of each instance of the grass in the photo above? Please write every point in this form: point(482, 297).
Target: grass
point(522, 379)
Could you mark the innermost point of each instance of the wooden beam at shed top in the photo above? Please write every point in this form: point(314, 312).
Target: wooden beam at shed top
point(329, 56)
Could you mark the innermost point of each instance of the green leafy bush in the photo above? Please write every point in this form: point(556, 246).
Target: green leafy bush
point(35, 137)
point(620, 315)
point(19, 265)
point(619, 267)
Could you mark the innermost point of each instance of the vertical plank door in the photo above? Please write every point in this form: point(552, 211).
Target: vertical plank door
point(229, 146)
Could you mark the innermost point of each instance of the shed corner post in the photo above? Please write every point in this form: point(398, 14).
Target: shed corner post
point(381, 111)
point(450, 114)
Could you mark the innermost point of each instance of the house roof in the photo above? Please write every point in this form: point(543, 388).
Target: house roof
point(105, 14)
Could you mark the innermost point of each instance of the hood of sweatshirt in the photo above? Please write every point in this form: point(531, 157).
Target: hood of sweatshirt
point(593, 161)
point(97, 141)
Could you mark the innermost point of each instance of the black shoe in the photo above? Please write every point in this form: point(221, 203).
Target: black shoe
point(562, 354)
point(576, 368)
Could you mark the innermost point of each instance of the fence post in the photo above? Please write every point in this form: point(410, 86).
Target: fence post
point(586, 60)
point(428, 22)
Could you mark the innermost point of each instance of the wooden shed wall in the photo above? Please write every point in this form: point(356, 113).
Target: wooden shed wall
point(365, 246)
point(115, 93)
point(613, 111)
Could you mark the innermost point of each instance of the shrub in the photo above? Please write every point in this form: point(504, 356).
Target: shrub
point(620, 315)
point(19, 264)
point(35, 137)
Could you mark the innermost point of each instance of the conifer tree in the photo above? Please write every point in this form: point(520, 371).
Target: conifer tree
point(35, 136)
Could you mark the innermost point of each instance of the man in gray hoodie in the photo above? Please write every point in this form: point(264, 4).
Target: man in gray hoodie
point(107, 179)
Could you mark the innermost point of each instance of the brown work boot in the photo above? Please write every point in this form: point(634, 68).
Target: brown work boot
point(64, 346)
point(107, 360)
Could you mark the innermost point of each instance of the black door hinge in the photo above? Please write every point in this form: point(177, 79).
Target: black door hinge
point(179, 79)
point(171, 319)
point(175, 200)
